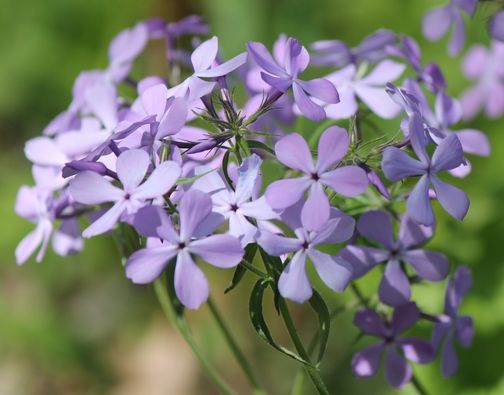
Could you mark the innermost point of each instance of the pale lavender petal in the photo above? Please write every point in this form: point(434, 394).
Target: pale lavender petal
point(128, 44)
point(284, 193)
point(224, 68)
point(417, 350)
point(258, 209)
point(316, 209)
point(453, 199)
point(413, 234)
point(468, 6)
point(474, 142)
point(194, 207)
point(153, 221)
point(378, 100)
point(294, 283)
point(376, 225)
point(417, 138)
point(67, 238)
point(448, 110)
point(367, 362)
point(448, 154)
point(494, 100)
point(44, 151)
point(383, 72)
point(204, 55)
point(29, 244)
point(131, 168)
point(394, 288)
point(332, 147)
point(154, 100)
point(277, 245)
point(147, 264)
point(457, 40)
point(293, 151)
point(335, 272)
point(89, 187)
point(347, 180)
point(429, 265)
point(346, 107)
point(322, 89)
point(496, 26)
point(362, 258)
point(397, 370)
point(418, 203)
point(161, 180)
point(370, 322)
point(397, 164)
point(102, 100)
point(248, 173)
point(307, 107)
point(174, 119)
point(436, 23)
point(339, 228)
point(107, 221)
point(191, 285)
point(263, 58)
point(223, 251)
point(281, 84)
point(404, 317)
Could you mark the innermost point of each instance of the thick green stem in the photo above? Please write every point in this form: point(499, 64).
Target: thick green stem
point(312, 373)
point(183, 328)
point(233, 345)
point(418, 386)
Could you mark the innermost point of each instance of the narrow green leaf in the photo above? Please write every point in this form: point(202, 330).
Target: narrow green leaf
point(225, 164)
point(324, 318)
point(259, 324)
point(240, 271)
point(184, 180)
point(260, 145)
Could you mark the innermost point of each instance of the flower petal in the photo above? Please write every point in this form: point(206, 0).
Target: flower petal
point(413, 234)
point(453, 199)
point(204, 55)
point(335, 272)
point(316, 209)
point(195, 206)
point(394, 288)
point(294, 283)
point(191, 285)
point(378, 100)
point(474, 142)
point(102, 100)
point(131, 168)
point(284, 193)
point(332, 147)
point(448, 154)
point(263, 58)
point(307, 107)
point(153, 221)
point(154, 100)
point(248, 173)
point(293, 151)
point(397, 370)
point(417, 350)
point(370, 322)
point(321, 89)
point(429, 265)
point(376, 225)
point(224, 68)
point(383, 72)
point(436, 23)
point(347, 180)
point(107, 221)
point(147, 264)
point(89, 187)
point(362, 258)
point(223, 251)
point(449, 361)
point(339, 228)
point(418, 203)
point(404, 317)
point(277, 245)
point(397, 164)
point(367, 362)
point(161, 180)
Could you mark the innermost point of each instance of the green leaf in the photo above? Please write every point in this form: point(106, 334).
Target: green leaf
point(240, 271)
point(225, 164)
point(324, 318)
point(184, 180)
point(274, 264)
point(259, 324)
point(177, 305)
point(260, 145)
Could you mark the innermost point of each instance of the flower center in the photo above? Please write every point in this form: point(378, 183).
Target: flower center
point(181, 245)
point(233, 207)
point(306, 245)
point(315, 177)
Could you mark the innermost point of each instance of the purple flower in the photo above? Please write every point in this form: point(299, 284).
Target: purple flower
point(496, 26)
point(437, 22)
point(334, 271)
point(394, 287)
point(447, 111)
point(339, 54)
point(284, 75)
point(396, 165)
point(485, 67)
point(293, 151)
point(91, 188)
point(205, 65)
point(236, 205)
point(451, 325)
point(395, 348)
point(370, 89)
point(191, 285)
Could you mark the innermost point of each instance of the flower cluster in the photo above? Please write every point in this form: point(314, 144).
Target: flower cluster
point(177, 161)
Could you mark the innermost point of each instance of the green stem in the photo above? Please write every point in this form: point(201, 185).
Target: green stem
point(418, 386)
point(297, 388)
point(240, 358)
point(313, 373)
point(183, 328)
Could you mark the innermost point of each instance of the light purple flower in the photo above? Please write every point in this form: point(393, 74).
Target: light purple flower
point(394, 288)
point(91, 188)
point(437, 22)
point(236, 206)
point(393, 347)
point(334, 271)
point(397, 164)
point(484, 65)
point(451, 325)
point(284, 75)
point(370, 89)
point(191, 285)
point(339, 54)
point(293, 151)
point(496, 26)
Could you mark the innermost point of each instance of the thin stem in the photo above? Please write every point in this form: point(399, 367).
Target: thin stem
point(297, 388)
point(418, 386)
point(183, 328)
point(313, 373)
point(233, 345)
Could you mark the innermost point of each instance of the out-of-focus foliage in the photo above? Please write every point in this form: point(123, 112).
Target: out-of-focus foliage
point(77, 326)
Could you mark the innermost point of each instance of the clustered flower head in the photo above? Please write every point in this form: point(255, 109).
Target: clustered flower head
point(178, 161)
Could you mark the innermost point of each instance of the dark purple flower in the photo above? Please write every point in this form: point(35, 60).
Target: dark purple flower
point(451, 325)
point(334, 271)
point(284, 75)
point(394, 287)
point(191, 285)
point(393, 347)
point(90, 188)
point(293, 151)
point(397, 164)
point(437, 22)
point(339, 54)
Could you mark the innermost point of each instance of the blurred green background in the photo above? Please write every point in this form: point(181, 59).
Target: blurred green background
point(78, 326)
